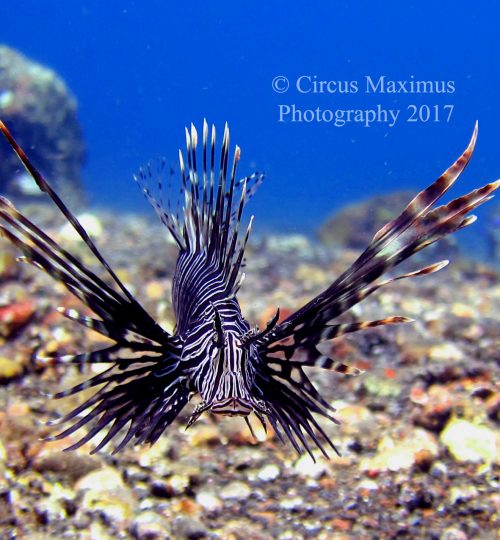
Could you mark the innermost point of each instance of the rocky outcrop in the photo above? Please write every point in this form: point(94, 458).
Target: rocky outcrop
point(41, 113)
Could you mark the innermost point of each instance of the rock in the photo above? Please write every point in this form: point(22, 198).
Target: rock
point(289, 243)
point(367, 216)
point(209, 501)
point(381, 386)
point(15, 316)
point(117, 505)
point(105, 492)
point(42, 114)
point(9, 268)
point(308, 468)
point(105, 478)
point(188, 528)
point(460, 494)
point(244, 529)
point(90, 222)
point(311, 276)
point(268, 473)
point(236, 490)
point(151, 526)
point(493, 407)
point(436, 408)
point(403, 453)
point(10, 369)
point(452, 533)
point(173, 486)
point(356, 420)
point(72, 465)
point(445, 352)
point(470, 442)
point(155, 290)
point(292, 503)
point(235, 431)
point(55, 507)
point(203, 435)
point(155, 456)
point(3, 453)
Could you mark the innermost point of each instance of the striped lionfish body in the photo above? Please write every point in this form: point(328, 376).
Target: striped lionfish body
point(213, 352)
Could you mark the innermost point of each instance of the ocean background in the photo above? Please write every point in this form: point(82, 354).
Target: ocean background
point(141, 71)
point(417, 436)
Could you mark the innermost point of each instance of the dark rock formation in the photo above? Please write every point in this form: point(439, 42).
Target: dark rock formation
point(354, 225)
point(40, 111)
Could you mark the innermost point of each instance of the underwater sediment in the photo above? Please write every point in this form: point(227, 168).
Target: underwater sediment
point(419, 434)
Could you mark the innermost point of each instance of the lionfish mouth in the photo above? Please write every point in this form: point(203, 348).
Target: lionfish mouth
point(232, 407)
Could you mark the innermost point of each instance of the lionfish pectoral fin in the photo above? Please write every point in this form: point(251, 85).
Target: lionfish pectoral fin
point(136, 390)
point(197, 412)
point(132, 403)
point(45, 187)
point(293, 343)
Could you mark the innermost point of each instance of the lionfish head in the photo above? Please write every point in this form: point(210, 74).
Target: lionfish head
point(226, 380)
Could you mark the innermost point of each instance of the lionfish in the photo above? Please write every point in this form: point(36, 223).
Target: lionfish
point(213, 352)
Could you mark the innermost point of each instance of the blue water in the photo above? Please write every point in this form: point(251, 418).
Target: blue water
point(142, 70)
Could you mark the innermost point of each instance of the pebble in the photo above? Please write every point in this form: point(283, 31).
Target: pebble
point(308, 468)
point(268, 473)
point(72, 465)
point(311, 276)
point(10, 369)
point(188, 528)
point(460, 494)
point(90, 222)
point(106, 478)
point(202, 435)
point(288, 243)
point(8, 262)
point(292, 503)
point(381, 386)
point(15, 316)
point(104, 491)
point(155, 456)
point(368, 485)
point(470, 442)
point(356, 420)
point(236, 490)
point(394, 455)
point(243, 490)
point(173, 486)
point(51, 510)
point(155, 290)
point(445, 352)
point(3, 454)
point(209, 501)
point(116, 505)
point(151, 526)
point(452, 533)
point(436, 407)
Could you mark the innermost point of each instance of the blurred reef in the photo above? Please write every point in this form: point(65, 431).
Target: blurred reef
point(354, 225)
point(42, 113)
